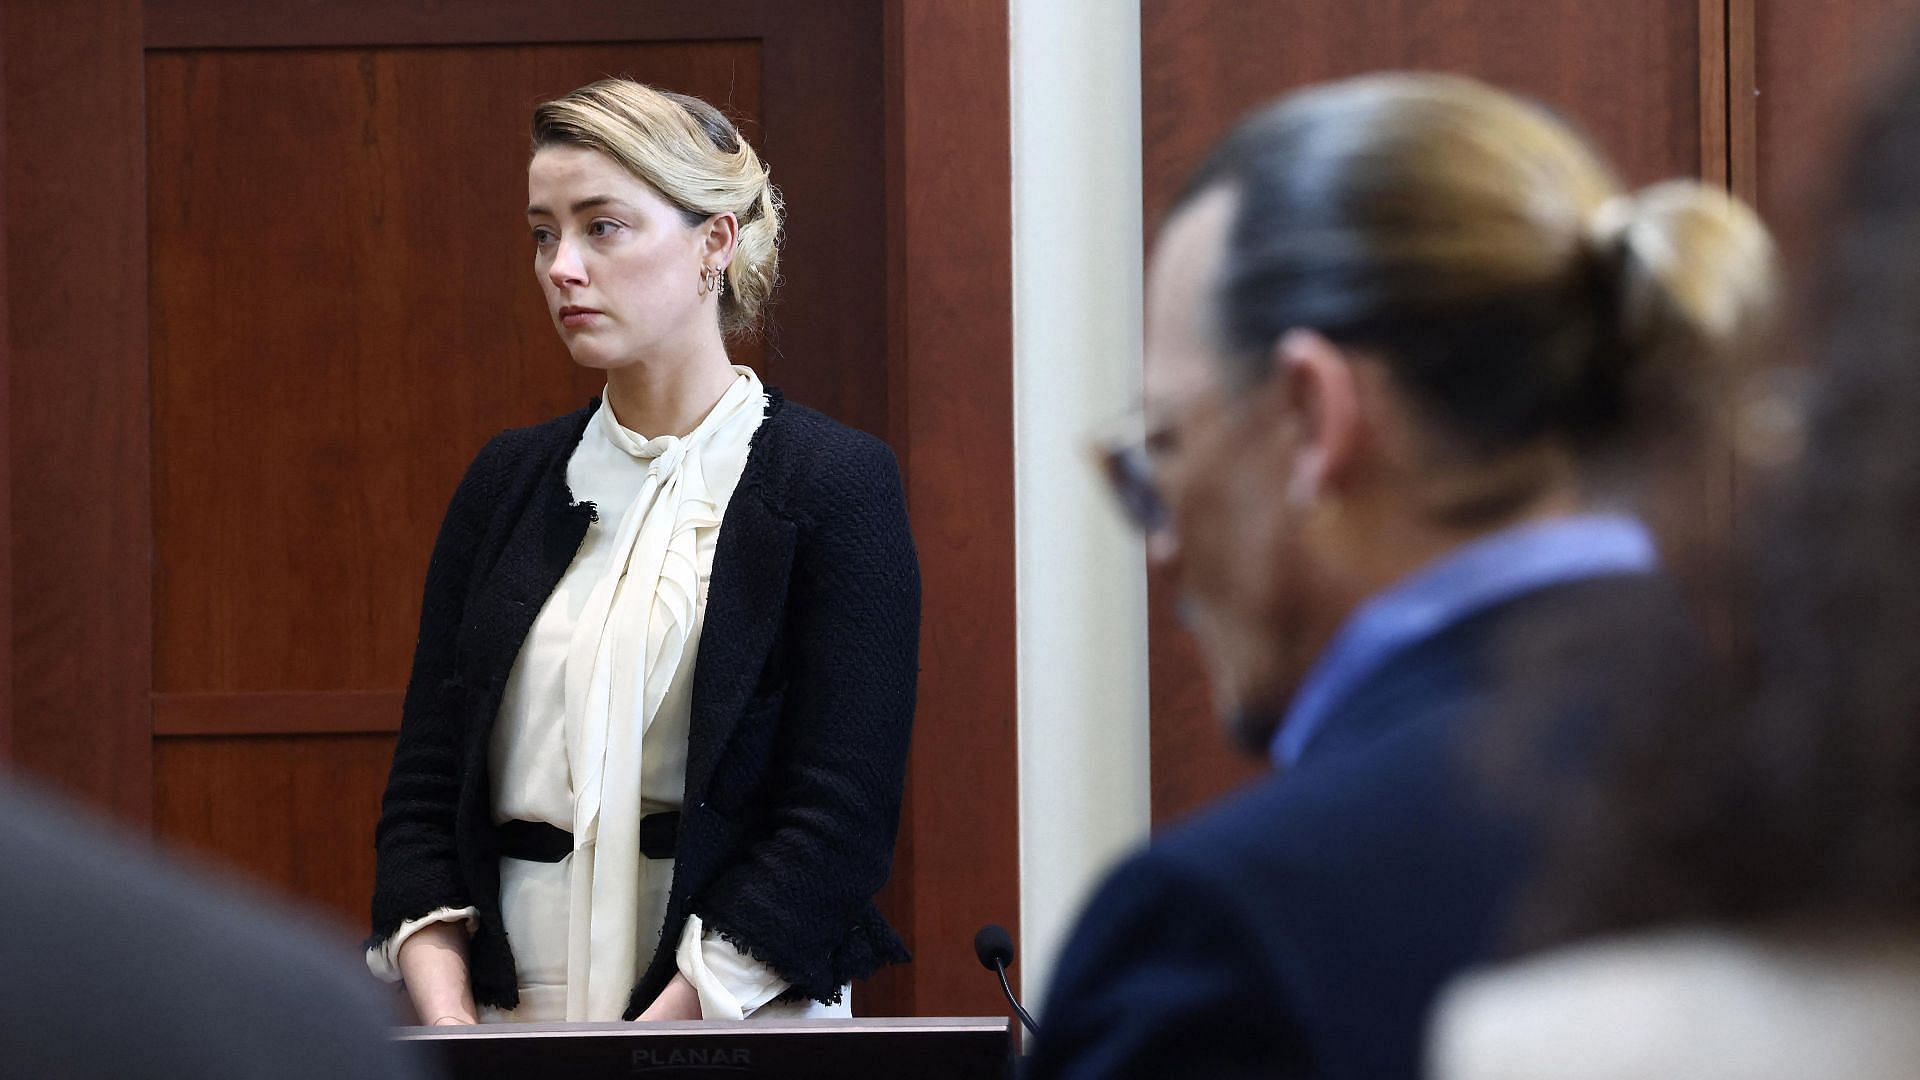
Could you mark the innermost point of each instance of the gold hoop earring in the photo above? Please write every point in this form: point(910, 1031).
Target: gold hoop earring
point(713, 280)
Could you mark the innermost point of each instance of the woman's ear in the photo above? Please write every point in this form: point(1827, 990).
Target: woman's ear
point(722, 234)
point(1321, 392)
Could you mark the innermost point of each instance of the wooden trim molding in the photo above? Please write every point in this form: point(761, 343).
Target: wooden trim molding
point(245, 24)
point(1729, 96)
point(1713, 93)
point(282, 713)
point(1743, 101)
point(6, 452)
point(950, 301)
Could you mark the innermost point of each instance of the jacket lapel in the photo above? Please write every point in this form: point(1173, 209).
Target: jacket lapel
point(746, 604)
point(536, 552)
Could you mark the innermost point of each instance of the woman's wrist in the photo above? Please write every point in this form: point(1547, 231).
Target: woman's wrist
point(433, 964)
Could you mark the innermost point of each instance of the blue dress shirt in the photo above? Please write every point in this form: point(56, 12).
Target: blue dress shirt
point(1467, 580)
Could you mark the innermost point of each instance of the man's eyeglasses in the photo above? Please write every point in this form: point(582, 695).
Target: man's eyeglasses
point(1130, 454)
point(1129, 470)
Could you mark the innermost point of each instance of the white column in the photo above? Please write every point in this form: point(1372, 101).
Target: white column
point(1081, 584)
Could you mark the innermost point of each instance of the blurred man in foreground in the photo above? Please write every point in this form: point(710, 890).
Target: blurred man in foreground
point(1406, 340)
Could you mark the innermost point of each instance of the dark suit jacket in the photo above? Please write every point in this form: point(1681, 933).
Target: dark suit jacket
point(1304, 926)
point(803, 695)
point(119, 964)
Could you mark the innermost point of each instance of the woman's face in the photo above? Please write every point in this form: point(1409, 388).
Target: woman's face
point(620, 267)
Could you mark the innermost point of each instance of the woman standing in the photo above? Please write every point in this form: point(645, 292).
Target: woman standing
point(653, 744)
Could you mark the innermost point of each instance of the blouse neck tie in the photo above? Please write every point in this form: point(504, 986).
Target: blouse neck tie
point(627, 644)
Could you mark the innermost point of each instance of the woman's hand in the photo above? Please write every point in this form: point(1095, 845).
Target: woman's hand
point(679, 1001)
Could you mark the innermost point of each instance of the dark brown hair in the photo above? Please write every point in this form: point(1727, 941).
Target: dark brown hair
point(1476, 244)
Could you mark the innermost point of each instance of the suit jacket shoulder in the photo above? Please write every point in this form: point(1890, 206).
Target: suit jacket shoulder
point(1162, 976)
point(1325, 907)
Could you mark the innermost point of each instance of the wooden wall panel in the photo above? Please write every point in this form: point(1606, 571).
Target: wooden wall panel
point(77, 410)
point(290, 810)
point(343, 312)
point(823, 138)
point(825, 128)
point(1628, 73)
point(1814, 60)
point(950, 236)
point(289, 712)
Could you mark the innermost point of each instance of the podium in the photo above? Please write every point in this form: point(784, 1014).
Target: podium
point(927, 1048)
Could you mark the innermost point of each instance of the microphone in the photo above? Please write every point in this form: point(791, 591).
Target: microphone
point(994, 947)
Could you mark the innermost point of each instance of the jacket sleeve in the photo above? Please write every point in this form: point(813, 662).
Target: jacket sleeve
point(1161, 978)
point(799, 895)
point(416, 870)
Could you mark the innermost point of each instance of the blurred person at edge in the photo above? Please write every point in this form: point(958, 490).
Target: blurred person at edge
point(1747, 880)
point(1407, 339)
point(121, 963)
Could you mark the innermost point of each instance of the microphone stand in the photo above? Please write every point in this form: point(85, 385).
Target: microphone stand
point(1006, 988)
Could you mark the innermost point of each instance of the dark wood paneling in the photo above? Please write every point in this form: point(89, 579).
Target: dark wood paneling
point(286, 811)
point(894, 985)
point(825, 141)
point(1628, 73)
point(6, 448)
point(1814, 59)
point(336, 712)
point(949, 207)
point(1742, 99)
point(1714, 161)
point(204, 24)
point(75, 258)
point(343, 312)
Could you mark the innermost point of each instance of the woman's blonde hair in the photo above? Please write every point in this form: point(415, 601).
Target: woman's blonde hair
point(1490, 259)
point(691, 154)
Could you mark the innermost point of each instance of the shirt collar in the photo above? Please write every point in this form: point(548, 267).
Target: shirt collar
point(645, 448)
point(1469, 579)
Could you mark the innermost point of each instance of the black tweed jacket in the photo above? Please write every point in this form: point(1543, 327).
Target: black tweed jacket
point(803, 697)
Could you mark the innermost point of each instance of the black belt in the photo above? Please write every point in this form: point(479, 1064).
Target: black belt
point(538, 841)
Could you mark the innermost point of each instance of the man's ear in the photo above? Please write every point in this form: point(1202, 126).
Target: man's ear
point(1323, 397)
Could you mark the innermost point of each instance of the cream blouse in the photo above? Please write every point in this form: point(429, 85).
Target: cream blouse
point(593, 724)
